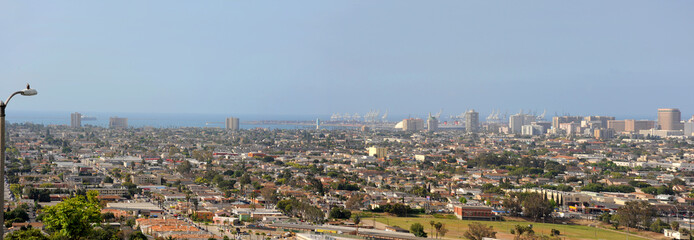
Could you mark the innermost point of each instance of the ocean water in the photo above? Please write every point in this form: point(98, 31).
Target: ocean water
point(166, 120)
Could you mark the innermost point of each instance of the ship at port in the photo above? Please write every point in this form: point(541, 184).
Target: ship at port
point(88, 118)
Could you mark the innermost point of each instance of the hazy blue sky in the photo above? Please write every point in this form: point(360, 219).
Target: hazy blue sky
point(318, 57)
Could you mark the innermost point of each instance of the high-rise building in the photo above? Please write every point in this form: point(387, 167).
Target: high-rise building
point(688, 128)
point(570, 128)
point(472, 121)
point(117, 122)
point(516, 122)
point(603, 133)
point(545, 125)
point(630, 125)
point(669, 119)
point(378, 152)
point(432, 123)
point(412, 124)
point(75, 120)
point(532, 130)
point(602, 120)
point(616, 125)
point(231, 123)
point(556, 121)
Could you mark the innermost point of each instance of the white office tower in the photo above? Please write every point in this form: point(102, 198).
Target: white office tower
point(432, 123)
point(472, 121)
point(231, 123)
point(75, 120)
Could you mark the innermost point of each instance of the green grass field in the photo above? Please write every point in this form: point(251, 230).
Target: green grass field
point(456, 228)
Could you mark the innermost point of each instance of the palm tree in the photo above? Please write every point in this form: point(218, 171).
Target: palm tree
point(438, 227)
point(357, 220)
point(195, 204)
point(432, 226)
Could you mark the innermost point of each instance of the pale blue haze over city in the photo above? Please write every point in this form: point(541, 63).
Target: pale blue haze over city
point(314, 58)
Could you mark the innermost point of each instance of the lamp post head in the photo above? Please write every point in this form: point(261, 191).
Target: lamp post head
point(28, 91)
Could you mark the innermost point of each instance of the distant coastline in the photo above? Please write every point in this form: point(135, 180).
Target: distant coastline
point(170, 120)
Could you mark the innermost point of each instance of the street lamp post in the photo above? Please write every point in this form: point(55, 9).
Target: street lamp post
point(26, 92)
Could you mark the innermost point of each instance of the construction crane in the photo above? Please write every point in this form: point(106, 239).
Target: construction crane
point(385, 116)
point(542, 117)
point(372, 115)
point(438, 115)
point(494, 116)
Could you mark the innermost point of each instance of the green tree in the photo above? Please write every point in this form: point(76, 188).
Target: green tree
point(440, 229)
point(520, 230)
point(418, 230)
point(317, 186)
point(512, 204)
point(357, 220)
point(108, 179)
point(18, 214)
point(201, 180)
point(658, 226)
point(108, 216)
point(615, 222)
point(185, 167)
point(138, 236)
point(245, 180)
point(73, 217)
point(27, 234)
point(536, 207)
point(635, 213)
point(340, 213)
point(354, 202)
point(16, 189)
point(270, 195)
point(478, 231)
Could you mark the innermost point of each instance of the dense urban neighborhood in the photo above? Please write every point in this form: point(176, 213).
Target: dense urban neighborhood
point(93, 182)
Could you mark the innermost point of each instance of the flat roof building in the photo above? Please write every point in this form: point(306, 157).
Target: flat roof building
point(117, 122)
point(631, 125)
point(669, 119)
point(472, 121)
point(75, 120)
point(432, 123)
point(616, 125)
point(556, 121)
point(231, 123)
point(602, 120)
point(516, 122)
point(378, 152)
point(412, 124)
